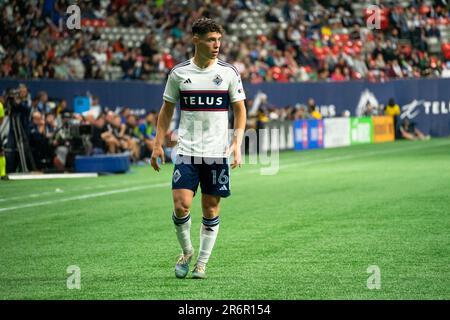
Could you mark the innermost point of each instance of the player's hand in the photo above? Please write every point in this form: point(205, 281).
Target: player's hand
point(158, 153)
point(234, 149)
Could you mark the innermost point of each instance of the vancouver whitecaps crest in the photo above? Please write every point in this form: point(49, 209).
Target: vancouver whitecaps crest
point(217, 80)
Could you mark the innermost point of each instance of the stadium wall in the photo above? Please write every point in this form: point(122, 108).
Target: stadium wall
point(425, 101)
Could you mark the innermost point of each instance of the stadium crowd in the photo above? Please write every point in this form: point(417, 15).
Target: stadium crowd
point(306, 40)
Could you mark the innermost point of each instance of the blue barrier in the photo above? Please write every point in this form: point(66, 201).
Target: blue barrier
point(425, 101)
point(117, 163)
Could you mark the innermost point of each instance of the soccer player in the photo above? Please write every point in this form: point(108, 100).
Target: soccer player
point(205, 87)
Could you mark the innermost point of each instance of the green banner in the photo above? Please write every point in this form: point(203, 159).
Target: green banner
point(361, 130)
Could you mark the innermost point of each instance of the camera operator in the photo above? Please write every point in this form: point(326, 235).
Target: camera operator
point(40, 144)
point(17, 103)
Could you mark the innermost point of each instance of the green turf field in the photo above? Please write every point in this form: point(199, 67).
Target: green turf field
point(308, 232)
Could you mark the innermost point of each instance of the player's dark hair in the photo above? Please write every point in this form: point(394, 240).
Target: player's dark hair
point(204, 25)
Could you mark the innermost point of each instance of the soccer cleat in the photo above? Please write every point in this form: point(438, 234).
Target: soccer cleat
point(199, 272)
point(182, 266)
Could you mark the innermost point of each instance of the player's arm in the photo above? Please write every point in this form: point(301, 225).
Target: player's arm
point(164, 118)
point(240, 119)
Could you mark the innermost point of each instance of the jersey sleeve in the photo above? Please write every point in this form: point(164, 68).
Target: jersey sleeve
point(236, 89)
point(172, 90)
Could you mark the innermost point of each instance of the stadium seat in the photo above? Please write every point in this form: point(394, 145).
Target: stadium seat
point(433, 45)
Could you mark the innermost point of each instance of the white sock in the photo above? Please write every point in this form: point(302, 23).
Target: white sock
point(208, 235)
point(183, 231)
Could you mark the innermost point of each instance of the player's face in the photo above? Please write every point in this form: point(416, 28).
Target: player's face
point(208, 44)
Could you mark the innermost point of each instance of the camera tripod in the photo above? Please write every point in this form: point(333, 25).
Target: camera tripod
point(22, 144)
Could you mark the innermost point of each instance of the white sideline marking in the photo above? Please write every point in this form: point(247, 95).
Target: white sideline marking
point(38, 194)
point(86, 196)
point(21, 176)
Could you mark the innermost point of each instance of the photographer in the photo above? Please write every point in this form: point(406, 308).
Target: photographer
point(40, 144)
point(18, 152)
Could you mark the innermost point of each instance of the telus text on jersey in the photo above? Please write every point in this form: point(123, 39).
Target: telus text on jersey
point(201, 101)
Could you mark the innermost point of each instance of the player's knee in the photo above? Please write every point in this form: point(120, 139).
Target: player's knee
point(210, 211)
point(181, 208)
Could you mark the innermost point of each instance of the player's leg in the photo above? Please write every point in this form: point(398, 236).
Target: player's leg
point(208, 233)
point(184, 184)
point(182, 201)
point(420, 135)
point(215, 185)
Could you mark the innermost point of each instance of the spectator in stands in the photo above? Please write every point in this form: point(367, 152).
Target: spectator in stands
point(51, 125)
point(370, 110)
point(126, 142)
point(110, 136)
point(31, 36)
point(124, 114)
point(42, 105)
point(100, 136)
point(300, 112)
point(148, 132)
point(409, 131)
point(134, 136)
point(313, 112)
point(360, 66)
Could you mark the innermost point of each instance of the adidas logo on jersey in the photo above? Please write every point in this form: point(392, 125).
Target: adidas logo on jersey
point(223, 188)
point(187, 81)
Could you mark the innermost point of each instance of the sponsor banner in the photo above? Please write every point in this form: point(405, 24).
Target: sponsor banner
point(308, 134)
point(361, 130)
point(315, 134)
point(301, 134)
point(337, 132)
point(383, 129)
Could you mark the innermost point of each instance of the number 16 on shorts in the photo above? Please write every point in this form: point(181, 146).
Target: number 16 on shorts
point(220, 181)
point(223, 178)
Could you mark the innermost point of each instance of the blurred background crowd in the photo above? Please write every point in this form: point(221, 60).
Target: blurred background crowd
point(285, 40)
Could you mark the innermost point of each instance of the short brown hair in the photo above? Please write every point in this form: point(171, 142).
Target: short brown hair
point(204, 25)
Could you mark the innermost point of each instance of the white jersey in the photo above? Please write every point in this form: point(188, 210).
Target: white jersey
point(205, 96)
